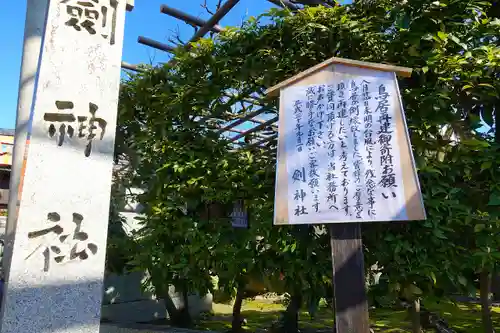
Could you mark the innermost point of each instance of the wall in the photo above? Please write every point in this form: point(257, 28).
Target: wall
point(124, 302)
point(6, 146)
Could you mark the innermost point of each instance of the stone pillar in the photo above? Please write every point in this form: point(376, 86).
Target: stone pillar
point(56, 271)
point(36, 14)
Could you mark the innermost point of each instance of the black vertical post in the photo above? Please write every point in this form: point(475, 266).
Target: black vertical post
point(350, 301)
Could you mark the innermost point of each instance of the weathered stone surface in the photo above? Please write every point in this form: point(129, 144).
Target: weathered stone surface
point(124, 302)
point(56, 275)
point(134, 312)
point(125, 288)
point(140, 328)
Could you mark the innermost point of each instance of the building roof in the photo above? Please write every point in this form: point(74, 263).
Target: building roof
point(9, 132)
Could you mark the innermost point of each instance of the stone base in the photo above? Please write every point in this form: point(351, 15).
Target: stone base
point(148, 310)
point(133, 312)
point(140, 328)
point(125, 302)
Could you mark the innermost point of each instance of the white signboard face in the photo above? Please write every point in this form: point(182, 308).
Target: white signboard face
point(342, 144)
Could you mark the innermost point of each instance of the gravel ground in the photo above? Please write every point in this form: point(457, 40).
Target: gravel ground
point(140, 328)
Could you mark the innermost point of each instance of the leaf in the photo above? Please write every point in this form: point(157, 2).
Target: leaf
point(479, 227)
point(457, 41)
point(433, 277)
point(439, 234)
point(414, 52)
point(432, 170)
point(317, 26)
point(494, 199)
point(414, 290)
point(486, 85)
point(475, 143)
point(442, 35)
point(462, 280)
point(485, 165)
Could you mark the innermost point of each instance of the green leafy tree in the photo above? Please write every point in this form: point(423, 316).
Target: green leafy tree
point(185, 167)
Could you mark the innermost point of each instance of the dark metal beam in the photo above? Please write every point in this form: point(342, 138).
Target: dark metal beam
point(234, 117)
point(284, 4)
point(258, 143)
point(235, 130)
point(242, 119)
point(313, 2)
point(155, 44)
point(260, 121)
point(254, 129)
point(219, 14)
point(126, 65)
point(188, 18)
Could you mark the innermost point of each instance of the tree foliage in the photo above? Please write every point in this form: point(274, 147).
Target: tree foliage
point(192, 176)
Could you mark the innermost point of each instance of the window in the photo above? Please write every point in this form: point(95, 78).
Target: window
point(4, 179)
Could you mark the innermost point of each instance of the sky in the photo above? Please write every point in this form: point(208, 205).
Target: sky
point(145, 20)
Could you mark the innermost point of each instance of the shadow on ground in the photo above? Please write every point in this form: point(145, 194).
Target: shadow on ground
point(461, 317)
point(464, 317)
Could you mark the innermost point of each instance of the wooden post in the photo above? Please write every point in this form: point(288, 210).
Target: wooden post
point(350, 302)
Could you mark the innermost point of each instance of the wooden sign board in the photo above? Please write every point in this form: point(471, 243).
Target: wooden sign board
point(344, 153)
point(239, 215)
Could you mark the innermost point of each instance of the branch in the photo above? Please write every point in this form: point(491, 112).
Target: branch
point(205, 6)
point(176, 38)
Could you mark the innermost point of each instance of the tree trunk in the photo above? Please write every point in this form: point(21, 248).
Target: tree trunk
point(184, 319)
point(170, 305)
point(178, 316)
point(162, 292)
point(484, 288)
point(495, 286)
point(185, 299)
point(415, 316)
point(237, 322)
point(291, 322)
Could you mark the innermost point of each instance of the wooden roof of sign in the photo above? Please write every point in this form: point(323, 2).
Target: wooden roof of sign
point(402, 71)
point(130, 5)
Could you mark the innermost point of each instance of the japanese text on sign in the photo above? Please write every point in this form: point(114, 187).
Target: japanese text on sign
point(342, 153)
point(64, 124)
point(92, 16)
point(60, 244)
